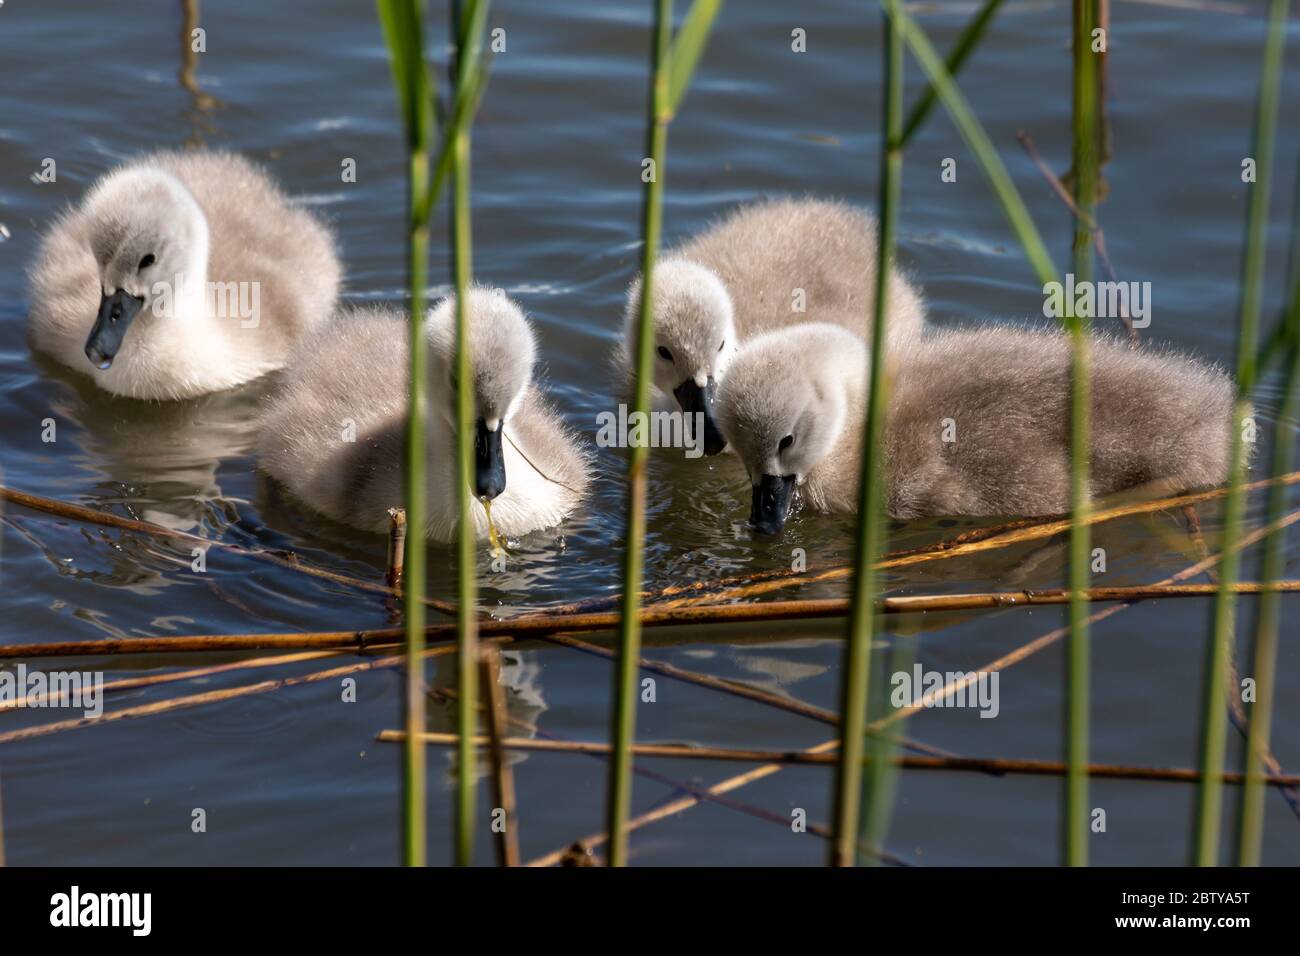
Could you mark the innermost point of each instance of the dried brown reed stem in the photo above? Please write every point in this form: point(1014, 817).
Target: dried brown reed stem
point(995, 765)
point(1236, 707)
point(1020, 532)
point(210, 697)
point(546, 625)
point(1051, 637)
point(284, 559)
point(744, 691)
point(674, 807)
point(668, 596)
point(396, 547)
point(975, 540)
point(359, 640)
point(665, 596)
point(1006, 599)
point(171, 677)
point(829, 746)
point(503, 779)
point(181, 644)
point(577, 855)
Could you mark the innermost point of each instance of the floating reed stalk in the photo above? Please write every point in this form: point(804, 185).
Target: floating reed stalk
point(871, 531)
point(962, 49)
point(1051, 637)
point(170, 677)
point(449, 694)
point(1010, 659)
point(213, 696)
point(744, 691)
point(1213, 744)
point(1019, 531)
point(1087, 144)
point(988, 765)
point(579, 856)
point(547, 625)
point(676, 806)
point(1250, 824)
point(991, 537)
point(403, 31)
point(467, 25)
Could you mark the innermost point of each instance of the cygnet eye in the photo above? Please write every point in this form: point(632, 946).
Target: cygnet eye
point(785, 443)
point(664, 354)
point(146, 262)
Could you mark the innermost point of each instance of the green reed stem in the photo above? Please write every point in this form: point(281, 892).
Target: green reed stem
point(863, 619)
point(1213, 745)
point(415, 572)
point(687, 48)
point(965, 45)
point(629, 632)
point(467, 25)
point(1250, 821)
point(466, 542)
point(855, 690)
point(1087, 158)
point(465, 99)
point(1087, 143)
point(403, 33)
point(973, 133)
point(881, 766)
point(401, 21)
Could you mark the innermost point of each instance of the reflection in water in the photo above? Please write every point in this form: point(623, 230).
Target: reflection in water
point(521, 678)
point(159, 461)
point(202, 104)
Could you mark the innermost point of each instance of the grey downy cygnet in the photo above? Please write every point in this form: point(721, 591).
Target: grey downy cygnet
point(765, 266)
point(977, 424)
point(181, 273)
point(335, 435)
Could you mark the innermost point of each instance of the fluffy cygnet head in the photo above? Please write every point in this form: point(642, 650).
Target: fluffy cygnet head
point(150, 243)
point(694, 338)
point(786, 407)
point(503, 350)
